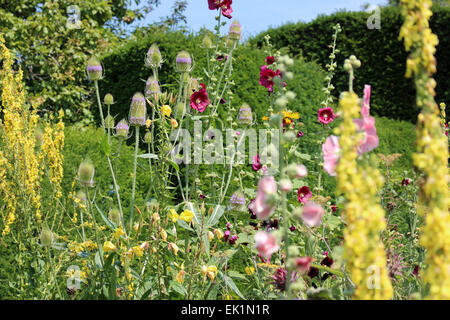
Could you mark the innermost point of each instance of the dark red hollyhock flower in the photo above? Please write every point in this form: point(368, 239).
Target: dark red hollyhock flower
point(250, 209)
point(416, 270)
point(199, 99)
point(406, 181)
point(213, 4)
point(256, 163)
point(222, 101)
point(280, 278)
point(333, 208)
point(221, 57)
point(266, 76)
point(202, 196)
point(292, 228)
point(313, 272)
point(300, 134)
point(327, 261)
point(304, 194)
point(270, 60)
point(226, 8)
point(226, 235)
point(233, 239)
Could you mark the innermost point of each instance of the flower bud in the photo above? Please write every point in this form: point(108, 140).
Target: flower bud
point(114, 216)
point(138, 110)
point(289, 136)
point(183, 62)
point(81, 197)
point(245, 115)
point(122, 129)
point(207, 42)
point(286, 185)
point(109, 99)
point(109, 122)
point(86, 173)
point(46, 237)
point(153, 58)
point(235, 31)
point(179, 110)
point(296, 171)
point(94, 69)
point(152, 89)
point(210, 236)
point(148, 138)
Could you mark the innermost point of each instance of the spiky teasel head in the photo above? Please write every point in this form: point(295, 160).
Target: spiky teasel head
point(94, 69)
point(109, 122)
point(80, 198)
point(108, 99)
point(153, 58)
point(148, 137)
point(122, 129)
point(207, 42)
point(245, 115)
point(114, 216)
point(138, 110)
point(47, 237)
point(235, 31)
point(152, 89)
point(86, 173)
point(183, 62)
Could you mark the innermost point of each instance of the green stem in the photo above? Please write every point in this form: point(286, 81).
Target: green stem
point(133, 190)
point(99, 104)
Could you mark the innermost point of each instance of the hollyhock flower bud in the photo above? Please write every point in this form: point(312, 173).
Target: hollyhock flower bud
point(114, 215)
point(235, 32)
point(266, 244)
point(296, 171)
point(183, 62)
point(47, 237)
point(86, 173)
point(94, 69)
point(122, 129)
point(109, 122)
point(312, 214)
point(245, 115)
point(108, 99)
point(292, 228)
point(138, 110)
point(286, 185)
point(153, 58)
point(152, 89)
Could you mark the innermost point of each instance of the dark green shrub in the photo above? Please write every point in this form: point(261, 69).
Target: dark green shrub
point(381, 52)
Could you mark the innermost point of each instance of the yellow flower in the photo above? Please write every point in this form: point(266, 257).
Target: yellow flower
point(163, 234)
point(137, 250)
point(118, 233)
point(187, 215)
point(210, 272)
point(265, 118)
point(180, 276)
point(249, 270)
point(108, 246)
point(172, 246)
point(148, 123)
point(173, 215)
point(166, 110)
point(210, 235)
point(218, 233)
point(174, 123)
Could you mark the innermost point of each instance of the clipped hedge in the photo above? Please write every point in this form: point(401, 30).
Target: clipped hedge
point(125, 73)
point(381, 52)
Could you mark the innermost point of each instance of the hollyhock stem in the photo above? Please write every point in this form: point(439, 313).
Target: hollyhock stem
point(133, 189)
point(99, 103)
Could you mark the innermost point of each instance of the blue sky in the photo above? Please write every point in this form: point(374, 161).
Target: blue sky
point(257, 15)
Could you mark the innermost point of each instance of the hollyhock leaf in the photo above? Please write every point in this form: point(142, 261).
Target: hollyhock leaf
point(333, 222)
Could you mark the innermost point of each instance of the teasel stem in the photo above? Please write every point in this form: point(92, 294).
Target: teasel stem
point(133, 190)
point(99, 104)
point(109, 128)
point(54, 274)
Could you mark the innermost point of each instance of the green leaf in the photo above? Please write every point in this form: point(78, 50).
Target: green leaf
point(237, 275)
point(333, 222)
point(174, 165)
point(178, 288)
point(230, 283)
point(108, 222)
point(104, 146)
point(216, 215)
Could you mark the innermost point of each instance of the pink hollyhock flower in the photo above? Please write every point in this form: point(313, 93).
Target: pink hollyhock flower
point(370, 140)
point(304, 194)
point(300, 134)
point(266, 77)
point(266, 244)
point(256, 163)
point(326, 115)
point(226, 8)
point(303, 264)
point(331, 151)
point(366, 102)
point(301, 171)
point(200, 100)
point(264, 206)
point(312, 214)
point(270, 60)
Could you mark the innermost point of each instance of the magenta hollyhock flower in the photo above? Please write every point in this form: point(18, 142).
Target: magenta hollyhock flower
point(213, 4)
point(266, 244)
point(264, 205)
point(233, 239)
point(200, 100)
point(300, 134)
point(304, 194)
point(266, 77)
point(292, 228)
point(333, 208)
point(303, 264)
point(331, 151)
point(256, 163)
point(312, 214)
point(416, 270)
point(202, 196)
point(326, 115)
point(406, 181)
point(270, 60)
point(226, 235)
point(226, 8)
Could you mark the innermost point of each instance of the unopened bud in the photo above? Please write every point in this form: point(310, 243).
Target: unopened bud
point(138, 110)
point(94, 69)
point(109, 122)
point(183, 62)
point(109, 99)
point(86, 173)
point(152, 89)
point(46, 237)
point(122, 129)
point(153, 58)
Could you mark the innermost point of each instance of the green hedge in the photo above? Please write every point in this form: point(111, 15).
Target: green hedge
point(125, 72)
point(381, 52)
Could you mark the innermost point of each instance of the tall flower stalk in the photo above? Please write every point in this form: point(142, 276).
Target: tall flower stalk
point(431, 157)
